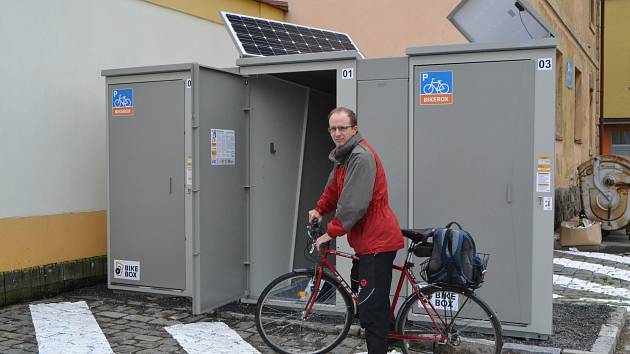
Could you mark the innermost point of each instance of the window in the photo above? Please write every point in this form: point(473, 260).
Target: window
point(559, 90)
point(580, 110)
point(621, 137)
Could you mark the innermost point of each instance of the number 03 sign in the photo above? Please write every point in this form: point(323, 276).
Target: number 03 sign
point(544, 64)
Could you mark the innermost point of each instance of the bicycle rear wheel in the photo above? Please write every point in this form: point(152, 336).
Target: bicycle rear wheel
point(280, 314)
point(466, 323)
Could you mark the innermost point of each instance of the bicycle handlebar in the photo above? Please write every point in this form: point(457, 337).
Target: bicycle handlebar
point(313, 231)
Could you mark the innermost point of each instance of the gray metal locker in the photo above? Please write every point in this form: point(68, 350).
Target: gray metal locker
point(475, 160)
point(173, 217)
point(472, 152)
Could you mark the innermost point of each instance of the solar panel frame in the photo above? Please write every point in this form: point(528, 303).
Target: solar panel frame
point(259, 37)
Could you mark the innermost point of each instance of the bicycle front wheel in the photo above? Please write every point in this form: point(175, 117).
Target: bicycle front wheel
point(455, 321)
point(281, 317)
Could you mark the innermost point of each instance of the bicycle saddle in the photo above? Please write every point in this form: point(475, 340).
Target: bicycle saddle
point(418, 235)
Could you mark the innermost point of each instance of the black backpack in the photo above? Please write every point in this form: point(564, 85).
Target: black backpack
point(454, 259)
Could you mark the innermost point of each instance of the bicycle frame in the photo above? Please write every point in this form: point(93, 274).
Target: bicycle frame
point(405, 274)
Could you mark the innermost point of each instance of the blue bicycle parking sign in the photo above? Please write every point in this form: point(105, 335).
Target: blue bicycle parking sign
point(436, 87)
point(122, 102)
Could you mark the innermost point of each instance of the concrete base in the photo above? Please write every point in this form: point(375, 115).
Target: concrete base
point(51, 279)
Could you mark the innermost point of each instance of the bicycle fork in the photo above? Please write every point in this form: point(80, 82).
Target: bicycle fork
point(314, 292)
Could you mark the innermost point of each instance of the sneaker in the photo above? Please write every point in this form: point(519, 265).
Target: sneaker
point(394, 345)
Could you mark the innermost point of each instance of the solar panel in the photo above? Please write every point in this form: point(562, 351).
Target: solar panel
point(261, 37)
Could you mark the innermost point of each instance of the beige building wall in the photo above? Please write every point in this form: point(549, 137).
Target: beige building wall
point(577, 25)
point(617, 60)
point(381, 28)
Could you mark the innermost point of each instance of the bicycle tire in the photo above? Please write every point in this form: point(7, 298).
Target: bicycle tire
point(280, 308)
point(470, 324)
point(428, 89)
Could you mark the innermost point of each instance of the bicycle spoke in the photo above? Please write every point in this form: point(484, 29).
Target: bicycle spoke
point(466, 323)
point(282, 307)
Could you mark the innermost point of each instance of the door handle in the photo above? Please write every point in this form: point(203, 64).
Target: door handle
point(509, 193)
point(170, 185)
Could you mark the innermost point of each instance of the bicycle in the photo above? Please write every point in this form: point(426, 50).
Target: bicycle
point(436, 86)
point(122, 101)
point(311, 310)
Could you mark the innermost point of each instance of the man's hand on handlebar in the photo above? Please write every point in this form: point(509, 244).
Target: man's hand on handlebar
point(313, 214)
point(322, 239)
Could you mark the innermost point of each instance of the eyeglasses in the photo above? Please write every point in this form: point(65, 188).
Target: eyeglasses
point(340, 129)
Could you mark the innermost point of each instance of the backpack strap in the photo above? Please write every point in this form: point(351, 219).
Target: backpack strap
point(448, 226)
point(457, 244)
point(472, 242)
point(446, 246)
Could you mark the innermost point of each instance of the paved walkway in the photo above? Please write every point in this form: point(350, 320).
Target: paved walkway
point(130, 326)
point(136, 323)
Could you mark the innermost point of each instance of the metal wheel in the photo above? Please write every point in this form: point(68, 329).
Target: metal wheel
point(280, 314)
point(466, 323)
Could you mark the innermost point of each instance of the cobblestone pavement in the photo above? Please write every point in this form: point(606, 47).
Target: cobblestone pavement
point(134, 323)
point(595, 278)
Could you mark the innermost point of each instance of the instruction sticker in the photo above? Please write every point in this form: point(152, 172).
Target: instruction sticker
point(543, 174)
point(436, 87)
point(128, 270)
point(544, 163)
point(189, 170)
point(543, 181)
point(122, 102)
point(222, 147)
point(547, 203)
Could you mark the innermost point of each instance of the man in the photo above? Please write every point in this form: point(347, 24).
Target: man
point(357, 192)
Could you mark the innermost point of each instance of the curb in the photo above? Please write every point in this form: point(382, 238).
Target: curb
point(609, 334)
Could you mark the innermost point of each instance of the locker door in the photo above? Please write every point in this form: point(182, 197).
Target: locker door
point(473, 162)
point(146, 183)
point(278, 116)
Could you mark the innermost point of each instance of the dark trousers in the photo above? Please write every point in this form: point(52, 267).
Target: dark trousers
point(372, 274)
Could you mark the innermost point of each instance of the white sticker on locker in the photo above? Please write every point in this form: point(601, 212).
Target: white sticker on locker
point(222, 147)
point(189, 170)
point(347, 73)
point(544, 64)
point(129, 270)
point(548, 203)
point(543, 181)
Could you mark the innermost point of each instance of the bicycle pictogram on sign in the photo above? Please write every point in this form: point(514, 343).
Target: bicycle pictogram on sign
point(436, 87)
point(122, 102)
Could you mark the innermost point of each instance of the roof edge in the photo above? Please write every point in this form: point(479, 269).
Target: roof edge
point(281, 5)
point(481, 46)
point(299, 58)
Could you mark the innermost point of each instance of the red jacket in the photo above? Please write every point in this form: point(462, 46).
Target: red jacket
point(357, 192)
